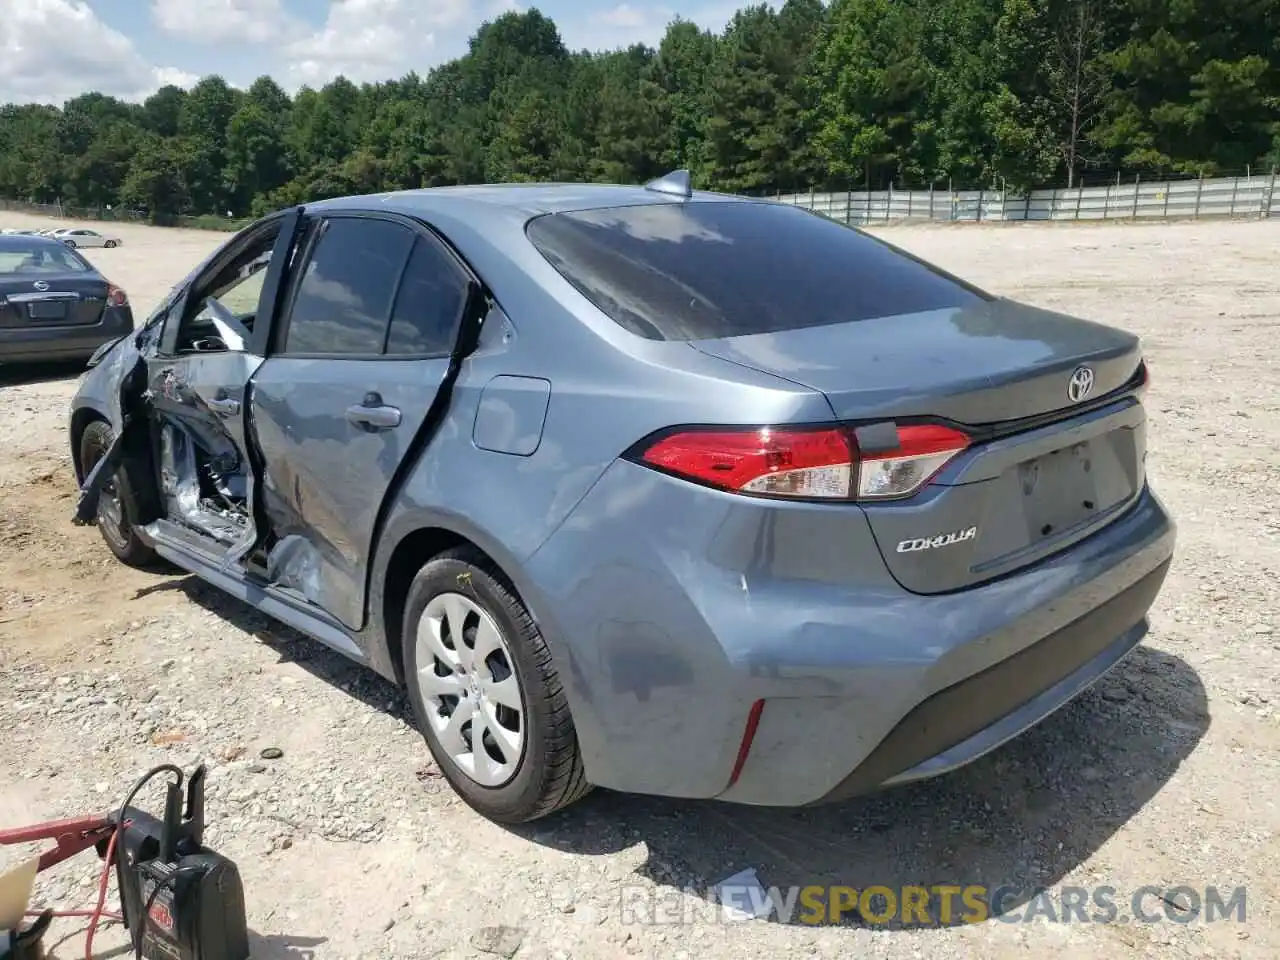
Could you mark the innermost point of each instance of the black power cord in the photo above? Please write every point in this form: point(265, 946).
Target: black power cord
point(137, 788)
point(122, 824)
point(151, 900)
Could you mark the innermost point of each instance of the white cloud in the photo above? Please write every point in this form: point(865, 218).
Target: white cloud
point(372, 40)
point(52, 50)
point(225, 21)
point(627, 17)
point(627, 23)
point(172, 76)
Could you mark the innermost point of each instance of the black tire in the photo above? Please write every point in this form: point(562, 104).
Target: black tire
point(120, 536)
point(109, 244)
point(550, 775)
point(70, 243)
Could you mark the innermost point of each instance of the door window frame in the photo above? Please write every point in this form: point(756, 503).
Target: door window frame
point(422, 233)
point(188, 300)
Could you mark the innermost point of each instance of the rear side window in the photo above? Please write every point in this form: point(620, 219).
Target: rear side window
point(706, 270)
point(344, 297)
point(428, 305)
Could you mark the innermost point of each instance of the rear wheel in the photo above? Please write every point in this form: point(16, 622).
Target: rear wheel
point(117, 505)
point(488, 699)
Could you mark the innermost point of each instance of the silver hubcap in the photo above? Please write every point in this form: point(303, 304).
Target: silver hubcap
point(472, 696)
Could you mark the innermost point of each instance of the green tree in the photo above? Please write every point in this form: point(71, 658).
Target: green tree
point(512, 45)
point(531, 136)
point(255, 155)
point(268, 95)
point(31, 159)
point(756, 131)
point(94, 177)
point(792, 94)
point(202, 131)
point(955, 65)
point(1195, 86)
point(155, 182)
point(872, 88)
point(628, 130)
point(681, 70)
point(161, 110)
point(1019, 118)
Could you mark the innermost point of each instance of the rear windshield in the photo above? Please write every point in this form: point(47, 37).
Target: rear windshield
point(705, 270)
point(39, 257)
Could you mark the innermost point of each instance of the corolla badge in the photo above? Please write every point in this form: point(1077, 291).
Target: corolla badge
point(942, 540)
point(1080, 385)
point(41, 285)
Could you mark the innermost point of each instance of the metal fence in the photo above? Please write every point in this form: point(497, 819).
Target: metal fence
point(1242, 197)
point(64, 211)
point(1255, 196)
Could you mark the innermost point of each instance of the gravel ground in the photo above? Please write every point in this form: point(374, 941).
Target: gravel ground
point(351, 845)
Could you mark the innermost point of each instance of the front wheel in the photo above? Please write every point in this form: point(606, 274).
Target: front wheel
point(487, 698)
point(109, 244)
point(117, 504)
point(70, 243)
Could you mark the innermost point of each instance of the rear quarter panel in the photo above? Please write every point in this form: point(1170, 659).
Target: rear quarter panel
point(607, 390)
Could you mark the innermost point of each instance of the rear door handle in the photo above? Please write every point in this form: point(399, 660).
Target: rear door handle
point(225, 406)
point(373, 414)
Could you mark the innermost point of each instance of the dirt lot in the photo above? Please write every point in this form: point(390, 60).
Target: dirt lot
point(350, 845)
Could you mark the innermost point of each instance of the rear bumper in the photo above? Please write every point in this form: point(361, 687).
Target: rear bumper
point(33, 344)
point(957, 725)
point(697, 605)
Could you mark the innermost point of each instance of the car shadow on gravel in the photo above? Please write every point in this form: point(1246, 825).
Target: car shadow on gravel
point(283, 947)
point(1017, 820)
point(27, 374)
point(293, 646)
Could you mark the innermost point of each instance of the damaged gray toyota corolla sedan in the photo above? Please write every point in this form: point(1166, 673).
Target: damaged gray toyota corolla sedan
point(663, 491)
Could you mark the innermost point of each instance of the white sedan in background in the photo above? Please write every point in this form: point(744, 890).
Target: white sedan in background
point(80, 237)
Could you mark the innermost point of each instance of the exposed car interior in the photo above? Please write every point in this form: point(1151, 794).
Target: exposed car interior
point(204, 481)
point(221, 316)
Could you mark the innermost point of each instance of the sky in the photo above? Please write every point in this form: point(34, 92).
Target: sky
point(52, 50)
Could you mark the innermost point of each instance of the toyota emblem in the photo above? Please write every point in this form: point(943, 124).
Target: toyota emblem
point(40, 285)
point(1080, 385)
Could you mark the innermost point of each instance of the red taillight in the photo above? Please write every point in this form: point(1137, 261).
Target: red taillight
point(822, 463)
point(116, 296)
point(787, 462)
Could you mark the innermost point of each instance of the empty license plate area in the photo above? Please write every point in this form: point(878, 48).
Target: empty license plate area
point(1060, 489)
point(47, 309)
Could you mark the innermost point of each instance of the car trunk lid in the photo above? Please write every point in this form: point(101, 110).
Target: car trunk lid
point(991, 361)
point(52, 300)
point(1048, 464)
